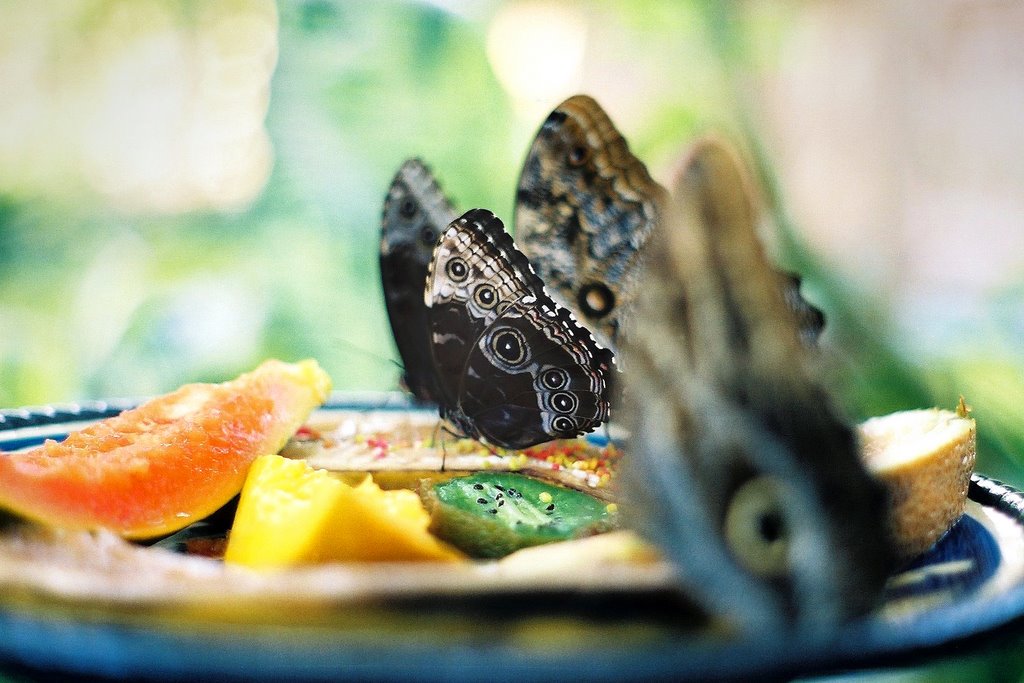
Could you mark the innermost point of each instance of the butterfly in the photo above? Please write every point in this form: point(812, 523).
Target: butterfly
point(503, 361)
point(416, 212)
point(739, 466)
point(585, 208)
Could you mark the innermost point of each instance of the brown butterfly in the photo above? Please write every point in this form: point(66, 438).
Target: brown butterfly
point(739, 466)
point(585, 208)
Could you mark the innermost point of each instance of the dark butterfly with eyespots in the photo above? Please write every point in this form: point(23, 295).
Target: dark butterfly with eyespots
point(416, 212)
point(502, 360)
point(512, 366)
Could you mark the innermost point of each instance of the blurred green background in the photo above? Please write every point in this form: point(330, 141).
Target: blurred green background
point(187, 188)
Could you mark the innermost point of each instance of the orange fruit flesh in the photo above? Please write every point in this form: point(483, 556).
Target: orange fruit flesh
point(177, 458)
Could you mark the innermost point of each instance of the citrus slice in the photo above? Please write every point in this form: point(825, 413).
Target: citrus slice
point(173, 460)
point(925, 458)
point(290, 514)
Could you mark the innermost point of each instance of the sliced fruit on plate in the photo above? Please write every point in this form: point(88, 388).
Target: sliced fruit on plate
point(290, 513)
point(925, 458)
point(491, 514)
point(173, 460)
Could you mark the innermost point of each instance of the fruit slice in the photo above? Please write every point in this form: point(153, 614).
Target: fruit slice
point(925, 458)
point(290, 513)
point(171, 461)
point(619, 547)
point(491, 514)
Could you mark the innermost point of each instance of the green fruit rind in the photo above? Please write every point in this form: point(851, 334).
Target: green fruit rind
point(491, 514)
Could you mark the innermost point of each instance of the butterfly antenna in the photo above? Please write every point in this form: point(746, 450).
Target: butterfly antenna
point(377, 358)
point(366, 353)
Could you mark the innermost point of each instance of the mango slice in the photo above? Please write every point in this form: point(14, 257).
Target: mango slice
point(292, 514)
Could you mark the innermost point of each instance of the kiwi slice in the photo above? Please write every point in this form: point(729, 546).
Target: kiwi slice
point(491, 514)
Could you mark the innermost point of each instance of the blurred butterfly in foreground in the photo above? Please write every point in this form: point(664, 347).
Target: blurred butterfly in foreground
point(504, 362)
point(739, 467)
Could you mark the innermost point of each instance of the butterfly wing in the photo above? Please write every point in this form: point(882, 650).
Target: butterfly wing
point(739, 466)
point(415, 213)
point(513, 367)
point(809, 318)
point(584, 208)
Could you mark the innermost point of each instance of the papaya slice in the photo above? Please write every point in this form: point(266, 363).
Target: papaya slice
point(173, 460)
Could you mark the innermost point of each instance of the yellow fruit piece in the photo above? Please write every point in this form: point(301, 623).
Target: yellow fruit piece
point(925, 458)
point(291, 514)
point(622, 547)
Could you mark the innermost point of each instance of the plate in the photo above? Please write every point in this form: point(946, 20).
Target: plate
point(472, 622)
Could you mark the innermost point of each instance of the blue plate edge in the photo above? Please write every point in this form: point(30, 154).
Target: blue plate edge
point(866, 643)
